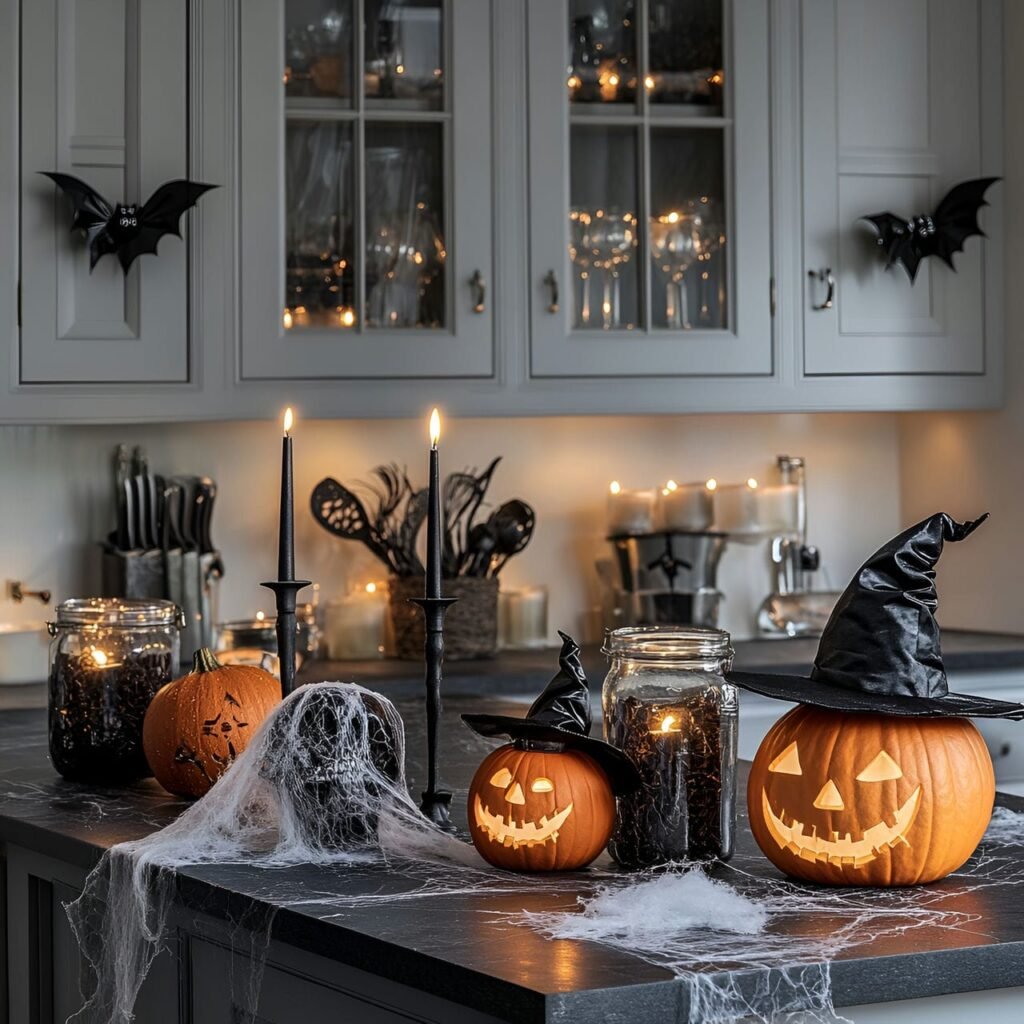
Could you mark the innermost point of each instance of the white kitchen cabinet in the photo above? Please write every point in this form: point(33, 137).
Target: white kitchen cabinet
point(649, 201)
point(897, 108)
point(103, 97)
point(323, 272)
point(366, 190)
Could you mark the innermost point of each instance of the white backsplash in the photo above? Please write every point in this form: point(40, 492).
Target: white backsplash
point(55, 494)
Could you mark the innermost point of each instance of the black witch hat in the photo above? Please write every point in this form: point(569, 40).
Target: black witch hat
point(561, 715)
point(880, 650)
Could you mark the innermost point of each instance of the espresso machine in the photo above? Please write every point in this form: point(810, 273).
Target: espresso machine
point(662, 578)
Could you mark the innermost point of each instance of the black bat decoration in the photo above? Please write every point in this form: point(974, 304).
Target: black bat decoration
point(127, 231)
point(939, 234)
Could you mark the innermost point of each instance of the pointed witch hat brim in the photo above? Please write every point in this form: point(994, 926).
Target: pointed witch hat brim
point(880, 651)
point(561, 716)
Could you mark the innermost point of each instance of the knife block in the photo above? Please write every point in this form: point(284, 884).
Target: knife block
point(187, 578)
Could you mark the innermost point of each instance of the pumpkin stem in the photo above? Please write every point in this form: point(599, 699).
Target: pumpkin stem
point(204, 661)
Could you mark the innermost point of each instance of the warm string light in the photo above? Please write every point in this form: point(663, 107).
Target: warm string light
point(752, 483)
point(712, 484)
point(615, 487)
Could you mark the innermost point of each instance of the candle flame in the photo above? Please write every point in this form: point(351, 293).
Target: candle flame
point(667, 723)
point(435, 427)
point(712, 484)
point(752, 483)
point(289, 419)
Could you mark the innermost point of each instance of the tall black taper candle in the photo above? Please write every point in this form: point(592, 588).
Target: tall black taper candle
point(434, 803)
point(286, 522)
point(285, 587)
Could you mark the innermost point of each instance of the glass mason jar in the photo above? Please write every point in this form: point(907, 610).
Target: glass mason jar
point(108, 657)
point(668, 706)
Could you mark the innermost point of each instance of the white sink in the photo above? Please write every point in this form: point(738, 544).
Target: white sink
point(23, 647)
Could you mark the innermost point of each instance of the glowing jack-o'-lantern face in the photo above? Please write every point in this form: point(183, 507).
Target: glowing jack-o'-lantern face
point(540, 810)
point(852, 799)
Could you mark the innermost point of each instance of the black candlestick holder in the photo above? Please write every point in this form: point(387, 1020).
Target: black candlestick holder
point(434, 803)
point(284, 592)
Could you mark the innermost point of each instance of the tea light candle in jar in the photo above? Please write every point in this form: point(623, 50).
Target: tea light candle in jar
point(354, 625)
point(736, 509)
point(629, 512)
point(683, 507)
point(668, 707)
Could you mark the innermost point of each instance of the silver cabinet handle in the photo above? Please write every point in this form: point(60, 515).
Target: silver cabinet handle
point(477, 282)
point(552, 282)
point(825, 274)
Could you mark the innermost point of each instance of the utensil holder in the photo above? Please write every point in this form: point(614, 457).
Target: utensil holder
point(470, 627)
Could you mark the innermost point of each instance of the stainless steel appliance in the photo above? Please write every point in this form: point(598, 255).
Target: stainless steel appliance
point(667, 578)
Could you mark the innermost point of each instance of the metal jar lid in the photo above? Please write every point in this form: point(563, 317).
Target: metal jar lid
point(116, 612)
point(667, 644)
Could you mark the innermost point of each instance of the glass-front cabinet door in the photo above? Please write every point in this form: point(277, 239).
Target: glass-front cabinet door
point(649, 187)
point(365, 189)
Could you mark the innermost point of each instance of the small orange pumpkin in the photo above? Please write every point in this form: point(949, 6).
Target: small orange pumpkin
point(858, 799)
point(540, 810)
point(197, 725)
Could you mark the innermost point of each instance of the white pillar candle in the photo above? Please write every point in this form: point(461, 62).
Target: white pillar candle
point(354, 625)
point(777, 509)
point(523, 618)
point(629, 512)
point(683, 507)
point(736, 508)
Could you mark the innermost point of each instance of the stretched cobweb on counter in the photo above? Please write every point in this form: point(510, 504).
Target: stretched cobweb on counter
point(323, 784)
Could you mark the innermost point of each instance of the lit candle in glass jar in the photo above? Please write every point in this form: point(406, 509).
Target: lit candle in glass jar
point(354, 624)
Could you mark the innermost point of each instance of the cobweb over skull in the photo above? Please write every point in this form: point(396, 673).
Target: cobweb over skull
point(321, 782)
point(334, 759)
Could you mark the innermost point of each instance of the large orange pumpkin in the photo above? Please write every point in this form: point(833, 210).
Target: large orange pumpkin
point(855, 799)
point(540, 810)
point(197, 725)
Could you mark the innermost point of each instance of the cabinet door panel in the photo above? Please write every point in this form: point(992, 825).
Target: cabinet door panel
point(103, 97)
point(326, 991)
point(682, 287)
point(891, 121)
point(365, 193)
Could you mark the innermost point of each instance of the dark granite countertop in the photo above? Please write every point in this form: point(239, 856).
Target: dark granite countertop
point(963, 934)
point(519, 671)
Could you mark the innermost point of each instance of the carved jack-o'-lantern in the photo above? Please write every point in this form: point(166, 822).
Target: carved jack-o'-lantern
point(197, 725)
point(862, 799)
point(538, 810)
point(546, 802)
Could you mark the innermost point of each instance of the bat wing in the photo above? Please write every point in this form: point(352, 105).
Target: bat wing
point(956, 217)
point(896, 238)
point(161, 215)
point(92, 212)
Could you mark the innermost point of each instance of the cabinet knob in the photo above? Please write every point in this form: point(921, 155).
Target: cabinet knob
point(552, 282)
point(479, 285)
point(824, 274)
